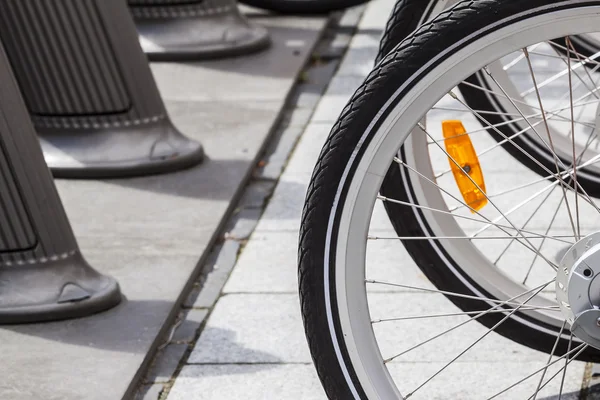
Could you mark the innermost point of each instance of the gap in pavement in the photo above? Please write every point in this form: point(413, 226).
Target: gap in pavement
point(312, 84)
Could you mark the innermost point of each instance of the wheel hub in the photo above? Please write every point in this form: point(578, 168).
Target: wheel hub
point(578, 288)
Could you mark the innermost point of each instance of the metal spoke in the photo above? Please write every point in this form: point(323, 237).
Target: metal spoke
point(478, 111)
point(525, 224)
point(479, 188)
point(492, 329)
point(571, 71)
point(397, 160)
point(489, 149)
point(404, 203)
point(551, 222)
point(517, 117)
point(511, 121)
point(555, 77)
point(539, 386)
point(533, 159)
point(562, 368)
point(562, 381)
point(569, 44)
point(587, 72)
point(508, 139)
point(543, 241)
point(577, 350)
point(551, 146)
point(519, 58)
point(517, 207)
point(509, 237)
point(594, 160)
point(505, 310)
point(579, 55)
point(552, 113)
point(508, 302)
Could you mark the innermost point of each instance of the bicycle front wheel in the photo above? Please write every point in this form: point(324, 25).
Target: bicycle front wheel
point(483, 231)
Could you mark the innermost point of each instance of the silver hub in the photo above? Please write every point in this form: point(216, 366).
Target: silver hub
point(578, 288)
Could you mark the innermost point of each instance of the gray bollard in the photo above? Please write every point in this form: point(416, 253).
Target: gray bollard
point(90, 91)
point(43, 275)
point(175, 30)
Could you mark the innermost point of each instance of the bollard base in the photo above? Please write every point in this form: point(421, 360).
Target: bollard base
point(187, 39)
point(51, 290)
point(118, 152)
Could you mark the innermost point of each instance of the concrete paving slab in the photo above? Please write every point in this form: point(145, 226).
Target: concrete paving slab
point(337, 38)
point(255, 273)
point(258, 77)
point(314, 82)
point(308, 149)
point(336, 97)
point(241, 382)
point(387, 260)
point(150, 233)
point(285, 207)
point(376, 15)
point(253, 328)
point(363, 49)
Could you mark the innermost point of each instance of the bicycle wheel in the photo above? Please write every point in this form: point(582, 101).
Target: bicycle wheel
point(487, 258)
point(303, 6)
point(481, 92)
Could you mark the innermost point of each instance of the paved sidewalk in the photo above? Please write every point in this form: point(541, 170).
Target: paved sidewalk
point(253, 345)
point(153, 234)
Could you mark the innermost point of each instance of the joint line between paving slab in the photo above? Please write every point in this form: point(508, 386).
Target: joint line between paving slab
point(215, 240)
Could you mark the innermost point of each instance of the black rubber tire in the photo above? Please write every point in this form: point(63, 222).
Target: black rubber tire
point(305, 7)
point(406, 15)
point(404, 20)
point(343, 150)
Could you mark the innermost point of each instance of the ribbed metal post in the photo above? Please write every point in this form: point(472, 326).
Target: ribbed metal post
point(173, 30)
point(89, 89)
point(43, 275)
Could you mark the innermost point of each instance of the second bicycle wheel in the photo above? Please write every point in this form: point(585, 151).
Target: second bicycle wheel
point(486, 235)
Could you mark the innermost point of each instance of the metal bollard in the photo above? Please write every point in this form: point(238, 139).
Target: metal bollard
point(90, 91)
point(43, 275)
point(174, 30)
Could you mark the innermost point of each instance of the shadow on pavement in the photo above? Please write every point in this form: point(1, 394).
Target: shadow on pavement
point(117, 330)
point(123, 328)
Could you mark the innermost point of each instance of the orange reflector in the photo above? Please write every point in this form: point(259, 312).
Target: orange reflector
point(460, 148)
